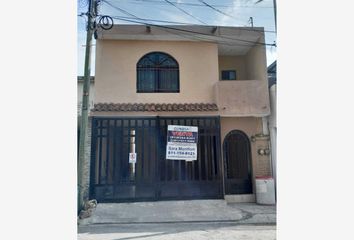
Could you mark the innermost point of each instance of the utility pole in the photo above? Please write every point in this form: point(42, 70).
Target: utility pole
point(275, 14)
point(251, 21)
point(85, 100)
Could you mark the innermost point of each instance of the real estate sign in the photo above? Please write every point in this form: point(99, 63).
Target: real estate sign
point(182, 142)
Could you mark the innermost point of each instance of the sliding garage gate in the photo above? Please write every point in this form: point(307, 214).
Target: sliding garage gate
point(154, 178)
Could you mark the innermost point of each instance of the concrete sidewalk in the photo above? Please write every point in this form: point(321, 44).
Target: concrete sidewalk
point(176, 231)
point(181, 212)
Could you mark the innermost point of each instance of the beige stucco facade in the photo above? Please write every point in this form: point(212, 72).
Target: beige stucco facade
point(116, 71)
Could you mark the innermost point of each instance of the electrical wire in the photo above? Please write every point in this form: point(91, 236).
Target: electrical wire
point(154, 20)
point(181, 9)
point(164, 21)
point(197, 4)
point(215, 9)
point(223, 13)
point(193, 37)
point(120, 9)
point(194, 32)
point(185, 23)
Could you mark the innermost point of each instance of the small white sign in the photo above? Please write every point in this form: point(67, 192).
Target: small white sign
point(132, 157)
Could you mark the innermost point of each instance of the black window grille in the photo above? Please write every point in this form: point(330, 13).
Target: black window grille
point(228, 75)
point(157, 72)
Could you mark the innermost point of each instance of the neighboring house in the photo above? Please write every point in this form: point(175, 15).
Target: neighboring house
point(147, 78)
point(272, 119)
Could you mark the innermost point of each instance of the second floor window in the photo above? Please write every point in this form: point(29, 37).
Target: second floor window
point(157, 72)
point(228, 75)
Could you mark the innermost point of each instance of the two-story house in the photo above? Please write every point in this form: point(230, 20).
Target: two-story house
point(147, 78)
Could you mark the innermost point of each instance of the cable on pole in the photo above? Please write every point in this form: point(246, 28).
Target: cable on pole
point(105, 22)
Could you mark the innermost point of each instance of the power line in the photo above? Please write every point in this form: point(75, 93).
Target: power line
point(215, 9)
point(164, 21)
point(194, 32)
point(226, 14)
point(182, 23)
point(153, 20)
point(197, 4)
point(120, 9)
point(181, 9)
point(193, 37)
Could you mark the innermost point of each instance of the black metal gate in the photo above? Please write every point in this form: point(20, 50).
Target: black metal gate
point(154, 178)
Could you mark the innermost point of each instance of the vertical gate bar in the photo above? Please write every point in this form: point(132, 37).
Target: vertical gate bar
point(199, 154)
point(185, 165)
point(114, 151)
point(143, 167)
point(121, 155)
point(206, 162)
point(188, 123)
point(129, 136)
point(167, 162)
point(107, 150)
point(148, 156)
point(138, 145)
point(100, 152)
point(157, 159)
point(161, 153)
point(174, 162)
point(151, 151)
point(207, 149)
point(219, 160)
point(215, 163)
point(179, 122)
point(211, 145)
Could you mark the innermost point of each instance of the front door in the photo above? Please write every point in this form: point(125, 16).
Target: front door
point(237, 162)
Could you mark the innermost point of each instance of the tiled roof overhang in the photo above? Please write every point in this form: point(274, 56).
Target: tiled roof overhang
point(154, 107)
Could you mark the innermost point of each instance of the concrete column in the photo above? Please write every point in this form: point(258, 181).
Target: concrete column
point(87, 161)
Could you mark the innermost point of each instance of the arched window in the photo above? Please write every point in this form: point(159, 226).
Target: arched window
point(157, 72)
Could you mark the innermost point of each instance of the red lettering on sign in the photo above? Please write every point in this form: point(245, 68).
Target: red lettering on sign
point(182, 134)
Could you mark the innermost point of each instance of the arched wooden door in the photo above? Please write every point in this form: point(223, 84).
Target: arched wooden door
point(237, 162)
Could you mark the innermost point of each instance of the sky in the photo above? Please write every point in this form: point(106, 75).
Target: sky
point(237, 13)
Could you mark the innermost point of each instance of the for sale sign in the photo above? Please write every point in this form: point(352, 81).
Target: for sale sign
point(182, 142)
